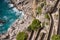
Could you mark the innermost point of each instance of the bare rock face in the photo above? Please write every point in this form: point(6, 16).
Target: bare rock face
point(22, 24)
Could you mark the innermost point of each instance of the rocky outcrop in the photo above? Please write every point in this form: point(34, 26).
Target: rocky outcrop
point(22, 24)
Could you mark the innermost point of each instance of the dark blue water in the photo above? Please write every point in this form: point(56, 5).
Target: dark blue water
point(7, 14)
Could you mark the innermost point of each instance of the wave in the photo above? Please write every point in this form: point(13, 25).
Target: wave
point(10, 15)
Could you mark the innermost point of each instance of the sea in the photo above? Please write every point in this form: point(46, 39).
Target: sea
point(8, 14)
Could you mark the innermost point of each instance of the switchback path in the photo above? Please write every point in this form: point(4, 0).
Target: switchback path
point(42, 38)
point(38, 33)
point(54, 7)
point(31, 35)
point(58, 30)
point(51, 27)
point(52, 22)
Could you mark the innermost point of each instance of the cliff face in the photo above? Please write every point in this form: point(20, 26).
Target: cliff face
point(29, 7)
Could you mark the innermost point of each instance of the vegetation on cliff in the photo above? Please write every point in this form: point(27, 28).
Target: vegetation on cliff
point(21, 36)
point(56, 37)
point(34, 25)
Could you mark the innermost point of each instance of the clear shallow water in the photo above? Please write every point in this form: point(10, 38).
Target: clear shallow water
point(8, 15)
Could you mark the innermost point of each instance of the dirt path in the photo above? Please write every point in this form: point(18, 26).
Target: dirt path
point(52, 22)
point(58, 30)
point(34, 7)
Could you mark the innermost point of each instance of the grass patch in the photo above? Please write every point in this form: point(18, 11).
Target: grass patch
point(44, 2)
point(56, 37)
point(38, 10)
point(47, 16)
point(21, 36)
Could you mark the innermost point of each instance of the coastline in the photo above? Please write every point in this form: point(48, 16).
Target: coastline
point(22, 24)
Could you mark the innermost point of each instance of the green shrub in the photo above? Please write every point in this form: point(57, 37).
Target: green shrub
point(21, 36)
point(56, 37)
point(47, 23)
point(47, 16)
point(44, 2)
point(42, 5)
point(35, 25)
point(39, 10)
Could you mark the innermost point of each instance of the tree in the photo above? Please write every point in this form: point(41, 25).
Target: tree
point(56, 37)
point(21, 36)
point(34, 25)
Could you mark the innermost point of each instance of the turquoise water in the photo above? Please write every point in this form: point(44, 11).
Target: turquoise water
point(8, 14)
